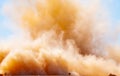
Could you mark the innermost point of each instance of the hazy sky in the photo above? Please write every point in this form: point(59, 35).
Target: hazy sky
point(112, 5)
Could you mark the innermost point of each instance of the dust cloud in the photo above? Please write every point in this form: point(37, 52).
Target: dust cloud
point(59, 37)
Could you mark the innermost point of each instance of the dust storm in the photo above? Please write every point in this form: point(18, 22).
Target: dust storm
point(59, 37)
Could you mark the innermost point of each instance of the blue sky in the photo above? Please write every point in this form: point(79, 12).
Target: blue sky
point(4, 31)
point(112, 5)
point(115, 9)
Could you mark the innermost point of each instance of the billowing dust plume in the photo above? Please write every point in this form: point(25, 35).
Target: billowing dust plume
point(59, 37)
